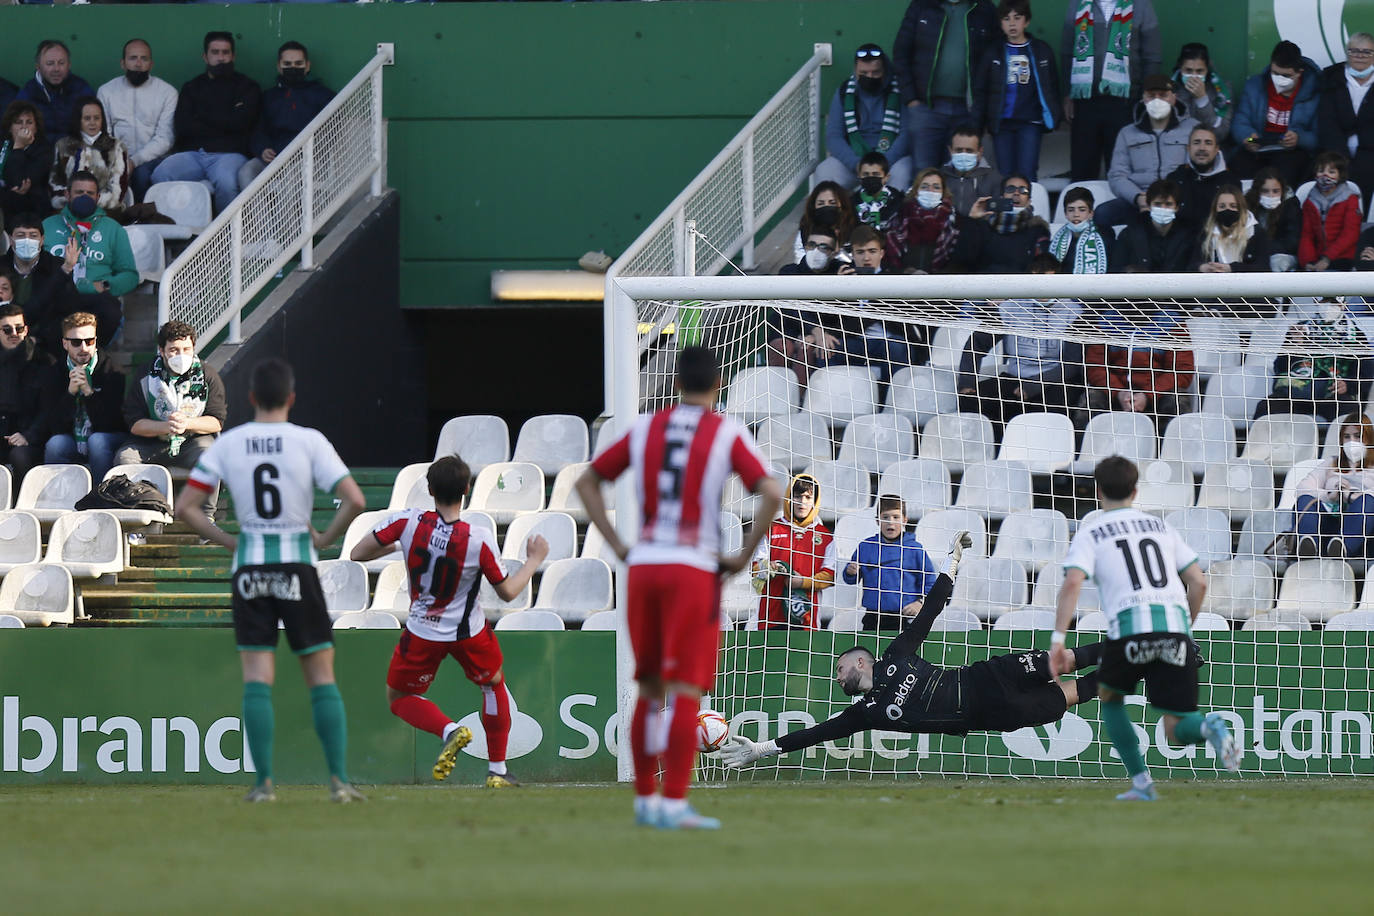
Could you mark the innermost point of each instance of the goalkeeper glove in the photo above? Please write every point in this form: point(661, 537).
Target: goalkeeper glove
point(962, 541)
point(740, 751)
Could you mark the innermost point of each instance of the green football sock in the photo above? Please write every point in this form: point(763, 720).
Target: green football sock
point(1189, 729)
point(258, 726)
point(1118, 725)
point(332, 727)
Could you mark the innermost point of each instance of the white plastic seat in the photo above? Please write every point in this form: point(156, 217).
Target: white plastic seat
point(1034, 537)
point(995, 489)
point(49, 490)
point(1092, 622)
point(39, 594)
point(576, 588)
point(90, 544)
point(840, 393)
point(1216, 345)
point(533, 619)
point(155, 474)
point(922, 392)
point(360, 528)
point(1040, 200)
point(1277, 620)
point(10, 622)
point(844, 488)
point(922, 483)
point(1351, 620)
point(1164, 486)
point(1234, 392)
point(494, 608)
point(6, 487)
point(958, 440)
point(956, 620)
point(762, 391)
point(989, 587)
point(792, 442)
point(552, 441)
point(847, 621)
point(1238, 487)
point(739, 501)
point(480, 520)
point(1130, 435)
point(392, 592)
point(738, 600)
point(479, 439)
point(1282, 440)
point(558, 528)
point(564, 496)
point(1199, 440)
point(1046, 591)
point(21, 540)
point(366, 620)
point(508, 489)
point(147, 243)
point(186, 203)
point(731, 533)
point(1100, 190)
point(1366, 596)
point(1042, 442)
point(1258, 531)
point(876, 441)
point(849, 531)
point(601, 620)
point(1208, 531)
point(936, 532)
point(1288, 499)
point(344, 583)
point(1207, 621)
point(839, 597)
point(1027, 618)
point(410, 489)
point(594, 544)
point(1317, 589)
point(1239, 589)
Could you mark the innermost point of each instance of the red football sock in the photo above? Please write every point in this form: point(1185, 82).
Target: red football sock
point(682, 744)
point(645, 718)
point(496, 704)
point(421, 713)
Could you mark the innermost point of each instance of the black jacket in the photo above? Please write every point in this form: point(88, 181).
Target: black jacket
point(990, 86)
point(919, 38)
point(1140, 246)
point(981, 249)
point(22, 374)
point(105, 406)
point(285, 112)
point(1286, 223)
point(217, 115)
point(48, 295)
point(136, 397)
point(1198, 190)
point(31, 162)
point(1337, 118)
point(1254, 259)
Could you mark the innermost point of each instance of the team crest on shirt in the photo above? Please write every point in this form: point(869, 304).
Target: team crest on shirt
point(816, 538)
point(426, 678)
point(96, 236)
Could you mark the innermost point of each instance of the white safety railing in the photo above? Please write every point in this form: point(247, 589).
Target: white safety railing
point(278, 215)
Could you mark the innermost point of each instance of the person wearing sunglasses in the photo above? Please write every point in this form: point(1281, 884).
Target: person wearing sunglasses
point(867, 116)
point(1002, 234)
point(84, 401)
point(22, 368)
point(1343, 121)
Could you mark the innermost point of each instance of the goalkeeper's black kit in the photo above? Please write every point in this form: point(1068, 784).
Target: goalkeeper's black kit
point(1002, 693)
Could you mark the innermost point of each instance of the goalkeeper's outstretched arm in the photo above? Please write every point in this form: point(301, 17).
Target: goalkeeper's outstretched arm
point(740, 751)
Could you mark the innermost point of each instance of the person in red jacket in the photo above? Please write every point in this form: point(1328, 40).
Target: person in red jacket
point(1330, 217)
point(1145, 370)
point(794, 564)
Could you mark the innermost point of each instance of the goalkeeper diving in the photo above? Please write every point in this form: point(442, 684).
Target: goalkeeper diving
point(903, 692)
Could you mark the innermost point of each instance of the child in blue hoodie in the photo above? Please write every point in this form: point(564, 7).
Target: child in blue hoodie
point(895, 570)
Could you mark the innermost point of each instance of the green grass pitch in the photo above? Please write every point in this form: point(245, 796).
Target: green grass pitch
point(937, 846)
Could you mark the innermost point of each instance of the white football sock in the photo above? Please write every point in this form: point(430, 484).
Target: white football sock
point(498, 768)
point(449, 729)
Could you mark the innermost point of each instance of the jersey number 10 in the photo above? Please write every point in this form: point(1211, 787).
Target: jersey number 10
point(1151, 561)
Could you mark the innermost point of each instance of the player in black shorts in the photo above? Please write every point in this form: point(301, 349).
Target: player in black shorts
point(904, 692)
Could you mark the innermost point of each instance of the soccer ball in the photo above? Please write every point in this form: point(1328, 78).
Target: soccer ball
point(712, 730)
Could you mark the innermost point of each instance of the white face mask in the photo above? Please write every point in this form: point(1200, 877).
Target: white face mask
point(1332, 311)
point(1162, 215)
point(180, 363)
point(1281, 83)
point(1158, 109)
point(1076, 228)
point(1354, 450)
point(929, 199)
point(27, 249)
point(817, 259)
point(1270, 201)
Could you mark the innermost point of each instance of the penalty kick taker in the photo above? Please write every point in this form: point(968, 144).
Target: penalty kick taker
point(904, 692)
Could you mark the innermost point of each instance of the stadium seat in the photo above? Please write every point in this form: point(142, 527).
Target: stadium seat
point(1100, 190)
point(49, 490)
point(595, 545)
point(1164, 486)
point(509, 489)
point(958, 440)
point(1234, 392)
point(1040, 200)
point(956, 620)
point(875, 441)
point(344, 583)
point(1208, 531)
point(10, 622)
point(995, 489)
point(89, 544)
point(564, 497)
point(759, 392)
point(1331, 442)
point(1258, 532)
point(841, 596)
point(849, 530)
point(1207, 621)
point(936, 532)
point(1092, 622)
point(1366, 595)
point(39, 594)
point(1042, 442)
point(1351, 620)
point(844, 489)
point(366, 620)
point(1117, 432)
point(601, 620)
point(533, 619)
point(552, 441)
point(1046, 592)
point(360, 528)
point(1282, 440)
point(1317, 589)
point(155, 474)
point(1216, 345)
point(989, 587)
point(147, 243)
point(922, 392)
point(1239, 589)
point(792, 442)
point(392, 592)
point(731, 533)
point(607, 431)
point(479, 439)
point(21, 540)
point(1028, 618)
point(838, 394)
point(410, 489)
point(1034, 537)
point(1277, 620)
point(947, 346)
point(576, 588)
point(847, 621)
point(1198, 440)
point(480, 520)
point(558, 528)
point(186, 203)
point(1288, 499)
point(738, 600)
point(736, 499)
point(6, 487)
point(1238, 487)
point(494, 608)
point(922, 483)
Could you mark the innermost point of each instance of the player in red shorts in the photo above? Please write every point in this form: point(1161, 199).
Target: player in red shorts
point(794, 564)
point(680, 458)
point(446, 559)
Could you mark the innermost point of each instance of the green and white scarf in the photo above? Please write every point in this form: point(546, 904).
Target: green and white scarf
point(4, 157)
point(167, 394)
point(1116, 63)
point(892, 118)
point(81, 424)
point(1090, 257)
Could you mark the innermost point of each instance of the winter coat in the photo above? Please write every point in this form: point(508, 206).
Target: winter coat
point(1321, 483)
point(33, 163)
point(1254, 259)
point(106, 159)
point(1140, 246)
point(1286, 221)
point(1254, 103)
point(894, 573)
point(990, 86)
point(105, 251)
point(217, 115)
point(285, 113)
point(1145, 45)
point(1337, 118)
point(56, 102)
point(1198, 189)
point(140, 116)
point(1142, 156)
point(869, 109)
point(964, 190)
point(1134, 365)
point(1334, 237)
point(105, 406)
point(47, 295)
point(981, 249)
point(22, 371)
point(921, 35)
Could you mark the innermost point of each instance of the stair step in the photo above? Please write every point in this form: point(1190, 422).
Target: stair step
point(101, 598)
point(145, 574)
point(160, 617)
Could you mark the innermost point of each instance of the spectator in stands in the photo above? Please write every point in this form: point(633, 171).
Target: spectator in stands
point(794, 564)
point(27, 157)
point(1364, 258)
point(1157, 240)
point(1344, 122)
point(1205, 171)
point(176, 409)
point(1146, 151)
point(1231, 241)
point(103, 268)
point(54, 88)
point(1002, 236)
point(287, 108)
point(923, 238)
point(937, 46)
point(968, 176)
point(886, 346)
point(89, 147)
point(22, 365)
point(1040, 370)
point(1279, 215)
point(1330, 217)
point(829, 206)
point(1325, 368)
point(1147, 368)
point(1205, 95)
point(1276, 119)
point(1078, 246)
point(894, 568)
point(6, 288)
point(215, 115)
point(802, 340)
point(1100, 79)
point(867, 116)
point(1334, 514)
point(876, 203)
point(141, 109)
point(84, 396)
point(1016, 92)
point(42, 281)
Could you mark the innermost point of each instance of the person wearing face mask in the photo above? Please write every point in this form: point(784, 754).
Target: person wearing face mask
point(95, 253)
point(1001, 235)
point(22, 368)
point(1344, 121)
point(215, 115)
point(1330, 218)
point(1325, 367)
point(141, 108)
point(1276, 118)
point(88, 147)
point(287, 107)
point(1158, 240)
point(1278, 213)
point(1203, 174)
point(1206, 97)
point(1145, 151)
point(830, 208)
point(923, 238)
point(54, 88)
point(967, 175)
point(40, 283)
point(1231, 240)
point(867, 116)
point(1334, 513)
point(876, 203)
point(1078, 246)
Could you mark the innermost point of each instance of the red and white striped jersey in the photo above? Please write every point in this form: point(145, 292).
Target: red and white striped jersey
point(445, 564)
point(681, 458)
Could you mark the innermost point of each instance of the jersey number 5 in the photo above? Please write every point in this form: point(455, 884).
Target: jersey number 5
point(1151, 561)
